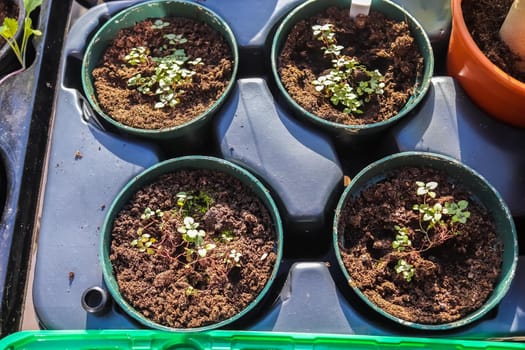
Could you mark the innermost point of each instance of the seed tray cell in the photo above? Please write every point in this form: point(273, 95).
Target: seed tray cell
point(89, 163)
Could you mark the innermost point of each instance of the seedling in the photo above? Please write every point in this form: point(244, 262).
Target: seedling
point(137, 55)
point(144, 242)
point(159, 24)
point(405, 269)
point(8, 31)
point(234, 258)
point(148, 213)
point(445, 216)
point(195, 238)
point(402, 240)
point(348, 82)
point(171, 71)
point(189, 203)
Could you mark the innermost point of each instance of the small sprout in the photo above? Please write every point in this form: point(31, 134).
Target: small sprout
point(340, 85)
point(148, 213)
point(447, 215)
point(192, 235)
point(405, 269)
point(433, 213)
point(175, 39)
point(190, 232)
point(159, 24)
point(169, 74)
point(227, 236)
point(424, 189)
point(234, 258)
point(458, 212)
point(182, 198)
point(144, 242)
point(264, 256)
point(9, 28)
point(190, 291)
point(402, 241)
point(137, 55)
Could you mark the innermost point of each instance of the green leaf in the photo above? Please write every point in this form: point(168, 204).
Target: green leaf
point(9, 28)
point(31, 5)
point(28, 30)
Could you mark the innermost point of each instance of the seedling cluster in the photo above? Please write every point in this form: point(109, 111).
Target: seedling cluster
point(151, 238)
point(171, 70)
point(348, 82)
point(8, 31)
point(437, 223)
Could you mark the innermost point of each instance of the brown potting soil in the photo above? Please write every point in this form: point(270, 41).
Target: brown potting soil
point(484, 19)
point(454, 275)
point(130, 107)
point(377, 42)
point(7, 9)
point(167, 288)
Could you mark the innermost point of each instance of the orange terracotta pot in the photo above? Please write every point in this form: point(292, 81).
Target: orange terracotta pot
point(498, 93)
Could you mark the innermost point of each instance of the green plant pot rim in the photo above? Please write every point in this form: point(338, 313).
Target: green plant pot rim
point(213, 19)
point(149, 175)
point(417, 30)
point(505, 226)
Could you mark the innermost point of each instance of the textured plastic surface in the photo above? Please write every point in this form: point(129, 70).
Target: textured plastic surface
point(481, 190)
point(390, 10)
point(79, 190)
point(287, 155)
point(26, 101)
point(174, 165)
point(225, 340)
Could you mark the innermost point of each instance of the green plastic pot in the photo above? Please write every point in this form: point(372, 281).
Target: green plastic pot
point(390, 10)
point(148, 176)
point(140, 12)
point(483, 192)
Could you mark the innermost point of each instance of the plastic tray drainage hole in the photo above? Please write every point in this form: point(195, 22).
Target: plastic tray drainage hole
point(94, 300)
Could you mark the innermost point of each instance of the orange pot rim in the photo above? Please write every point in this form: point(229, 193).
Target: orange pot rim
point(501, 76)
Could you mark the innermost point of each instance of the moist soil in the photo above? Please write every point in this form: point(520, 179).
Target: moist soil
point(173, 290)
point(375, 41)
point(453, 276)
point(484, 19)
point(7, 9)
point(130, 107)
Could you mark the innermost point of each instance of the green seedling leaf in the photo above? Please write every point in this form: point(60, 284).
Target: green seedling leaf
point(9, 28)
point(31, 5)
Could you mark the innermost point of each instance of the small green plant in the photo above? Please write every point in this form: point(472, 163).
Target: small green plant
point(137, 55)
point(159, 24)
point(234, 258)
point(190, 203)
point(402, 240)
point(348, 82)
point(144, 242)
point(445, 216)
point(190, 291)
point(227, 236)
point(148, 213)
point(195, 239)
point(9, 28)
point(171, 71)
point(405, 269)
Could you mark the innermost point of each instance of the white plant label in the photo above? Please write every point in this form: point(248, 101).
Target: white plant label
point(360, 7)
